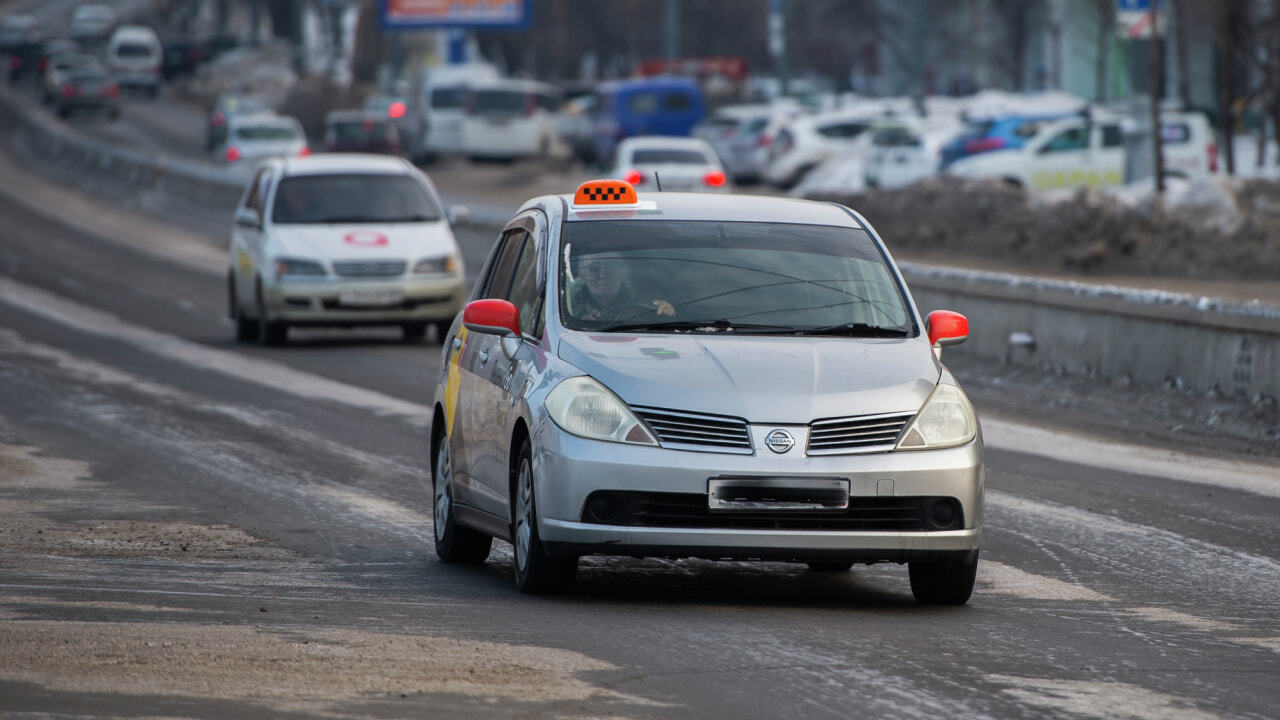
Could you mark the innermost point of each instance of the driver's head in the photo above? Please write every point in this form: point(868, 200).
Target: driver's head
point(604, 276)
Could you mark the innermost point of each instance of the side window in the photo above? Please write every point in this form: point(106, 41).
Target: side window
point(524, 287)
point(257, 189)
point(676, 102)
point(1111, 136)
point(1175, 133)
point(1029, 128)
point(1076, 138)
point(499, 282)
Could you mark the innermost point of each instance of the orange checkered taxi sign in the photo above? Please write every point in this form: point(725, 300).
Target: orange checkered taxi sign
point(605, 192)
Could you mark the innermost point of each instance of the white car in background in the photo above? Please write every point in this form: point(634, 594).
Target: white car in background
point(510, 119)
point(262, 136)
point(134, 56)
point(804, 143)
point(672, 164)
point(722, 126)
point(339, 241)
point(91, 22)
point(1076, 152)
point(906, 151)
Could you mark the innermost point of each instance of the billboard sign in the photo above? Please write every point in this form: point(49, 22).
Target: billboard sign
point(462, 14)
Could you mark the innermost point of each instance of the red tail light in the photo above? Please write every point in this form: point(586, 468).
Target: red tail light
point(69, 90)
point(635, 177)
point(1212, 149)
point(233, 153)
point(112, 91)
point(715, 178)
point(763, 140)
point(305, 151)
point(981, 145)
point(396, 110)
point(217, 119)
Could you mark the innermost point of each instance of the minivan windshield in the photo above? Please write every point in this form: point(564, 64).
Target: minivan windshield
point(134, 50)
point(353, 198)
point(712, 276)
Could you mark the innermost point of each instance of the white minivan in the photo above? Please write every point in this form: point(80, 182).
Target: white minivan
point(134, 57)
point(439, 108)
point(510, 119)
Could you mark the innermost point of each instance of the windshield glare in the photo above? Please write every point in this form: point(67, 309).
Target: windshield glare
point(776, 276)
point(353, 198)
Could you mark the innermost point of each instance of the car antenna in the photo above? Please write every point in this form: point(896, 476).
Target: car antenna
point(657, 180)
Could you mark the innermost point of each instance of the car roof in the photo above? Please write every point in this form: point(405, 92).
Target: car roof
point(657, 83)
point(264, 118)
point(646, 142)
point(329, 163)
point(732, 207)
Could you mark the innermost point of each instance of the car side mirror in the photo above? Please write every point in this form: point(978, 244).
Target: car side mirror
point(247, 217)
point(458, 214)
point(947, 328)
point(492, 317)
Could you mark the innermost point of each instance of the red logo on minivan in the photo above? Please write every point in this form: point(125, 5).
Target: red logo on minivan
point(366, 238)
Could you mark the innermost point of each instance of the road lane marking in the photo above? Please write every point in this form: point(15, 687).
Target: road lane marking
point(266, 373)
point(997, 433)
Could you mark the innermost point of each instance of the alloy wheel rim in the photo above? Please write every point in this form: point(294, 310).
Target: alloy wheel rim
point(524, 515)
point(443, 468)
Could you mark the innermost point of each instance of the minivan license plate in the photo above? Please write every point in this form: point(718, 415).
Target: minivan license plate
point(728, 494)
point(371, 296)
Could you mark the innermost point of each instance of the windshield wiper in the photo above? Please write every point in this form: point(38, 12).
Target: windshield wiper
point(699, 326)
point(856, 329)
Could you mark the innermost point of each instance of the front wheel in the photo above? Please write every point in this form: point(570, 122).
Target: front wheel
point(246, 328)
point(537, 572)
point(943, 583)
point(414, 331)
point(454, 543)
point(270, 332)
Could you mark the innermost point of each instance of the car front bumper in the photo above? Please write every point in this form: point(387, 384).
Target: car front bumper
point(329, 301)
point(568, 469)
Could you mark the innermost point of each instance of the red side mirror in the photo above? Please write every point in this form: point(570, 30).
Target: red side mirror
point(495, 317)
point(947, 328)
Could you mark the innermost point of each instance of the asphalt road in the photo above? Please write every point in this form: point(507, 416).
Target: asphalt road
point(195, 528)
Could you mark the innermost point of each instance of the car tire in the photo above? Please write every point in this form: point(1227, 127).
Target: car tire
point(454, 543)
point(270, 332)
point(830, 567)
point(943, 583)
point(414, 331)
point(246, 328)
point(536, 571)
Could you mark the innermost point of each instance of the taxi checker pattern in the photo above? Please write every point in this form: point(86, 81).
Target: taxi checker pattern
point(558, 433)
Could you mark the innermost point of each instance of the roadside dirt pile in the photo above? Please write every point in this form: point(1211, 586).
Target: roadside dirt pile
point(1217, 230)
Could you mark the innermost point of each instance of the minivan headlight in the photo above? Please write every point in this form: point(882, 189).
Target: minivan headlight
point(294, 266)
point(946, 420)
point(582, 406)
point(446, 265)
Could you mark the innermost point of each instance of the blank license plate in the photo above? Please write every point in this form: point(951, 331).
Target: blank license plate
point(769, 494)
point(371, 296)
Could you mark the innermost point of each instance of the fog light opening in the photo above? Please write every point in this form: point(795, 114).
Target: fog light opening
point(602, 508)
point(944, 514)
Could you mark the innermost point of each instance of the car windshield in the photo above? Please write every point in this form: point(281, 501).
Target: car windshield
point(659, 156)
point(359, 129)
point(710, 276)
point(499, 101)
point(353, 198)
point(133, 50)
point(267, 133)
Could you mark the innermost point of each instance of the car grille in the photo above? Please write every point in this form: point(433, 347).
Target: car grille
point(690, 511)
point(855, 434)
point(369, 268)
point(694, 431)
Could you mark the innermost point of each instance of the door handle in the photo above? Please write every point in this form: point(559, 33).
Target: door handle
point(484, 357)
point(457, 342)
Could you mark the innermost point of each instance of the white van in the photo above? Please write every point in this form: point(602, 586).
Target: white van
point(510, 119)
point(440, 107)
point(1072, 153)
point(134, 57)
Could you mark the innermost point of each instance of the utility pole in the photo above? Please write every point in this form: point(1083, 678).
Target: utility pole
point(671, 31)
point(1157, 74)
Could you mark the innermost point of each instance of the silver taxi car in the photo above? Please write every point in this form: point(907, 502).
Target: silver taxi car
point(341, 240)
point(719, 377)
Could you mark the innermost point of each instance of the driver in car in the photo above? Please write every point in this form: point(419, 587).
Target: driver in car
point(604, 291)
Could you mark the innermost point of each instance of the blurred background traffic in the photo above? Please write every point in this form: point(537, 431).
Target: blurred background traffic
point(1044, 101)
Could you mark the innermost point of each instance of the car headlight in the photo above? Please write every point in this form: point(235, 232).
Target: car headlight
point(447, 265)
point(946, 420)
point(581, 406)
point(294, 266)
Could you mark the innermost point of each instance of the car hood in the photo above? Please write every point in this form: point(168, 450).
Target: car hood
point(781, 380)
point(365, 241)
